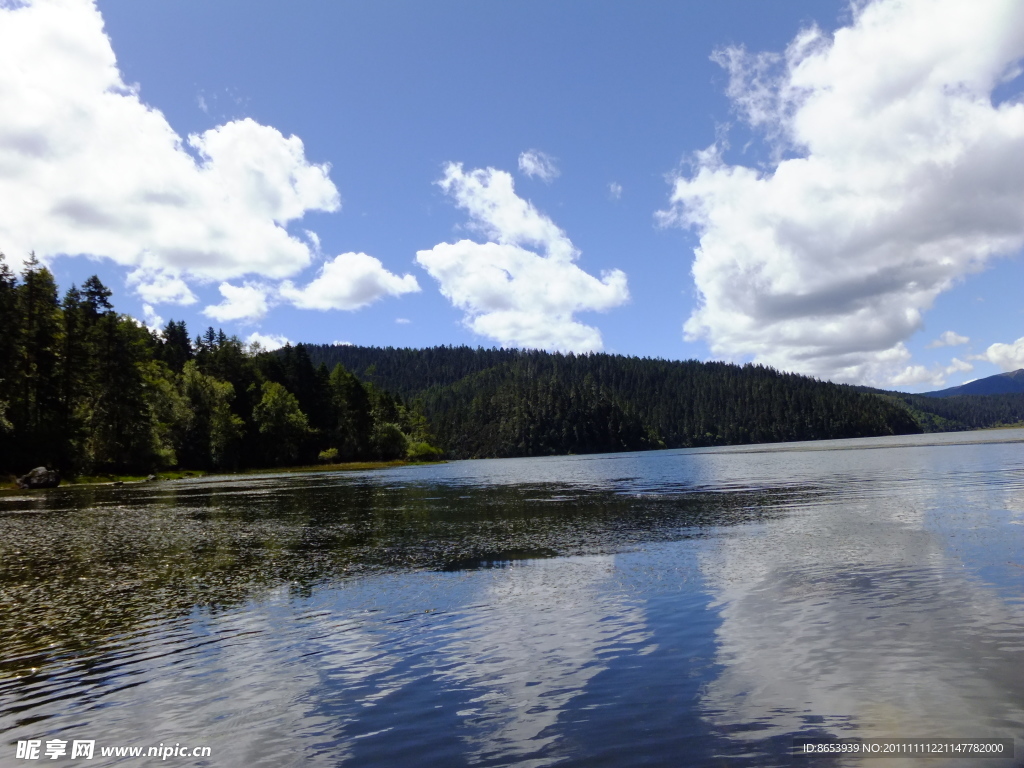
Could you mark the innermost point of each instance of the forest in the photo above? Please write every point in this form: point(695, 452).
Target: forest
point(86, 390)
point(507, 402)
point(960, 412)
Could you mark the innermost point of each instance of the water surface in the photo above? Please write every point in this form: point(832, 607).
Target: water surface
point(689, 607)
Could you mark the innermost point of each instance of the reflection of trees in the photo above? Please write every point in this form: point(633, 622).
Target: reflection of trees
point(83, 564)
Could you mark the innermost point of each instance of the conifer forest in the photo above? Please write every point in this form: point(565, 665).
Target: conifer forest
point(87, 390)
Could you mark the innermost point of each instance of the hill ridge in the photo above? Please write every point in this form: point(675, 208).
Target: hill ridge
point(1009, 382)
point(511, 402)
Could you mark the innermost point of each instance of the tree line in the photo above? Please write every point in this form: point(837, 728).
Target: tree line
point(88, 390)
point(960, 412)
point(491, 402)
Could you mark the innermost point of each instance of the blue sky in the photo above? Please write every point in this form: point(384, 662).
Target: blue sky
point(536, 174)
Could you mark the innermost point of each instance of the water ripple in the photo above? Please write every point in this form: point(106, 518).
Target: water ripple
point(639, 609)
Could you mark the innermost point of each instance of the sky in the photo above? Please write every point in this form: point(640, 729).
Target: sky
point(829, 188)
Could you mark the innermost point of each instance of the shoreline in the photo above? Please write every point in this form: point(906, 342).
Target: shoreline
point(9, 485)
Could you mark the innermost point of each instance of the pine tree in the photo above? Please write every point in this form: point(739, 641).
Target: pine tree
point(36, 412)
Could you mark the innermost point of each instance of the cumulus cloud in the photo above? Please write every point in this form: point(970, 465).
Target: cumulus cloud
point(1009, 357)
point(949, 339)
point(246, 302)
point(936, 375)
point(533, 162)
point(894, 173)
point(350, 281)
point(87, 168)
point(517, 296)
point(615, 191)
point(157, 286)
point(267, 342)
point(151, 319)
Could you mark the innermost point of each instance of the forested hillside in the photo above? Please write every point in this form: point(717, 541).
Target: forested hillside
point(84, 389)
point(88, 390)
point(964, 411)
point(1007, 383)
point(528, 403)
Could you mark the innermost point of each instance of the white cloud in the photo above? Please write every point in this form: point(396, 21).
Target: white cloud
point(241, 302)
point(160, 287)
point(917, 374)
point(350, 281)
point(949, 339)
point(907, 177)
point(87, 168)
point(337, 343)
point(615, 191)
point(936, 375)
point(267, 342)
point(533, 162)
point(402, 320)
point(1009, 357)
point(509, 293)
point(314, 240)
point(151, 319)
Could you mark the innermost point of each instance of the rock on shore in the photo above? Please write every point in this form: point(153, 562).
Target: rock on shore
point(40, 477)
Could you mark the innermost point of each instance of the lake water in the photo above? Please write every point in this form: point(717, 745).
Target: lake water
point(687, 607)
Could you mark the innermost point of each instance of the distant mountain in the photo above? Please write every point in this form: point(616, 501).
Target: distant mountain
point(1000, 384)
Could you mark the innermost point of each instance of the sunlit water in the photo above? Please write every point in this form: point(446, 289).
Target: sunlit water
point(697, 607)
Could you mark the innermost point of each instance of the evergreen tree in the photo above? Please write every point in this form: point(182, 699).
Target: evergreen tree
point(76, 375)
point(281, 423)
point(121, 421)
point(208, 437)
point(10, 359)
point(36, 411)
point(351, 420)
point(176, 348)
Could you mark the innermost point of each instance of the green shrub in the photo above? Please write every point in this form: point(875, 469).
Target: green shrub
point(330, 456)
point(422, 451)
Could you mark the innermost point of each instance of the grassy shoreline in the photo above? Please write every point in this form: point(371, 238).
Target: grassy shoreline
point(8, 484)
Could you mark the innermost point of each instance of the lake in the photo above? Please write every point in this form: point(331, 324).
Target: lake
point(689, 607)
